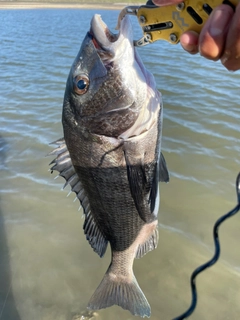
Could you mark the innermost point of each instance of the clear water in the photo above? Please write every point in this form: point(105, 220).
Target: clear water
point(47, 269)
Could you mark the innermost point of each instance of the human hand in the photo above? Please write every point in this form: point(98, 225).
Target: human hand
point(219, 38)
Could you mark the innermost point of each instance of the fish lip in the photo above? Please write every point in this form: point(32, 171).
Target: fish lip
point(103, 38)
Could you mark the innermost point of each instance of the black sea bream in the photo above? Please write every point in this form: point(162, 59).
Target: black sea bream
point(111, 157)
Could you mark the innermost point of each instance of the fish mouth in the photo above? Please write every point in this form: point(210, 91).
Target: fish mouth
point(111, 46)
point(104, 39)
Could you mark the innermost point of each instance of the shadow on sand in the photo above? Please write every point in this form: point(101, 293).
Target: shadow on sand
point(8, 309)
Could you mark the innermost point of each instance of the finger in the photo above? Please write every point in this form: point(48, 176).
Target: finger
point(165, 2)
point(189, 41)
point(213, 35)
point(231, 56)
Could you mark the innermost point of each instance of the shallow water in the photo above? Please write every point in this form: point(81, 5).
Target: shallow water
point(47, 269)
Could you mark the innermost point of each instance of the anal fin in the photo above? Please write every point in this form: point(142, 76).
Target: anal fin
point(149, 245)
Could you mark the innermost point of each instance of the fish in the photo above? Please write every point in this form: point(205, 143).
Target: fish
point(111, 157)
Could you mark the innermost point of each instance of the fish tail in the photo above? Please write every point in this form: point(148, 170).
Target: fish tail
point(115, 290)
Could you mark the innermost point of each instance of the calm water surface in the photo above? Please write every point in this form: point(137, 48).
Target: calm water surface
point(47, 269)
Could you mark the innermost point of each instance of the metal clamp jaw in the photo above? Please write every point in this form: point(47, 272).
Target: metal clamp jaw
point(170, 22)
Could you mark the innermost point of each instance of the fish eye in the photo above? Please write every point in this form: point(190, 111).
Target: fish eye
point(81, 84)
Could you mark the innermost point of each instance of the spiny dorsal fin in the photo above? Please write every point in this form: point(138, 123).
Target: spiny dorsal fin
point(63, 164)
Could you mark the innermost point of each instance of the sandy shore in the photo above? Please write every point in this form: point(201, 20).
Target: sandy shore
point(57, 5)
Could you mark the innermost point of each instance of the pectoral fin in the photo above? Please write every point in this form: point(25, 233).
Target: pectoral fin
point(160, 174)
point(163, 170)
point(137, 183)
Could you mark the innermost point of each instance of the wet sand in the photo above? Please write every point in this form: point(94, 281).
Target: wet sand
point(59, 5)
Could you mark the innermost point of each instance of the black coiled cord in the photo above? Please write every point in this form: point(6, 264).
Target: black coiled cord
point(215, 256)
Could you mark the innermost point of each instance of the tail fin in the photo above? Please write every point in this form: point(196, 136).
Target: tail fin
point(115, 290)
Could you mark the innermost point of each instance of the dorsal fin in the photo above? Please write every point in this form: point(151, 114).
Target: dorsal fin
point(63, 164)
point(94, 235)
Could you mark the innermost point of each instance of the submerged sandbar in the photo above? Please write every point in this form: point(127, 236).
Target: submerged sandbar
point(65, 5)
